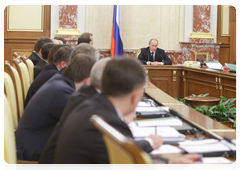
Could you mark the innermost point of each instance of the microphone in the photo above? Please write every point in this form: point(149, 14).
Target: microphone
point(162, 57)
point(233, 61)
point(216, 55)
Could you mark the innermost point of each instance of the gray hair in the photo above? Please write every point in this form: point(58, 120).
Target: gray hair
point(97, 72)
point(85, 48)
point(152, 39)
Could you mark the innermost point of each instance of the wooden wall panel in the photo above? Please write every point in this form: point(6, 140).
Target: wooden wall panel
point(228, 42)
point(233, 34)
point(23, 41)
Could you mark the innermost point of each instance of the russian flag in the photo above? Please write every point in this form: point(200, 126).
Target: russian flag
point(116, 42)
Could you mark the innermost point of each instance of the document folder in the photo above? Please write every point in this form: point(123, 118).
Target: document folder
point(214, 65)
point(232, 67)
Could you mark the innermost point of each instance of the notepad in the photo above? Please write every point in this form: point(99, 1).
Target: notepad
point(205, 146)
point(168, 134)
point(143, 104)
point(169, 121)
point(214, 65)
point(215, 160)
point(166, 149)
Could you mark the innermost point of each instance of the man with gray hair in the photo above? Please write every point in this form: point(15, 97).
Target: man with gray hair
point(84, 93)
point(86, 49)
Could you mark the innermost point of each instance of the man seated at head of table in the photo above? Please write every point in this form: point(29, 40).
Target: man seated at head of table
point(152, 55)
point(79, 142)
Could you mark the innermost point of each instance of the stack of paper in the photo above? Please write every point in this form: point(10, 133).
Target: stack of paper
point(168, 121)
point(143, 104)
point(206, 146)
point(166, 149)
point(151, 109)
point(214, 65)
point(215, 160)
point(168, 134)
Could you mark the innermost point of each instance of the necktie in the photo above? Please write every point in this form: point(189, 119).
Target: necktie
point(152, 55)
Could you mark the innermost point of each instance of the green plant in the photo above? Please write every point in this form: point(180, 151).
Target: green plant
point(183, 101)
point(235, 124)
point(192, 95)
point(200, 95)
point(224, 110)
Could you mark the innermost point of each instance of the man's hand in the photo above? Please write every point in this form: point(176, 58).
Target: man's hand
point(157, 141)
point(186, 159)
point(155, 63)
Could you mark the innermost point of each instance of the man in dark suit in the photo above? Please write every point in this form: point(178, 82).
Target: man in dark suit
point(46, 106)
point(153, 55)
point(36, 56)
point(40, 65)
point(61, 59)
point(122, 85)
point(84, 93)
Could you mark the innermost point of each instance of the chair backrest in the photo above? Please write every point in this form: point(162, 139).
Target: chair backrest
point(17, 86)
point(138, 52)
point(9, 136)
point(121, 149)
point(29, 65)
point(10, 154)
point(24, 75)
point(10, 93)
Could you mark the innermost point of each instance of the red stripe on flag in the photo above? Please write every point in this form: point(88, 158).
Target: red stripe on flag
point(112, 44)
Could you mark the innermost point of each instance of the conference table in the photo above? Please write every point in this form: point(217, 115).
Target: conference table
point(159, 75)
point(181, 81)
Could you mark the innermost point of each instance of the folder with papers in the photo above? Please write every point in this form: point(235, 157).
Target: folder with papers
point(168, 121)
point(168, 134)
point(214, 65)
point(232, 67)
point(208, 147)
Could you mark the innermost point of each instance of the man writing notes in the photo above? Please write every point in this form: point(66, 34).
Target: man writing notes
point(153, 55)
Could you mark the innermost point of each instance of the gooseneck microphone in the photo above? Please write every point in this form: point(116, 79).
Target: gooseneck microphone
point(162, 57)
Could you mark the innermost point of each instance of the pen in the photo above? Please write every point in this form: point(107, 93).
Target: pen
point(229, 140)
point(200, 158)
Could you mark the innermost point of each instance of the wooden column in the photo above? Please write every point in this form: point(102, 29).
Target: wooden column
point(232, 19)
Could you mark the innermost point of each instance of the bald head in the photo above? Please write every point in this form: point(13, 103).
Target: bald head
point(97, 72)
point(85, 48)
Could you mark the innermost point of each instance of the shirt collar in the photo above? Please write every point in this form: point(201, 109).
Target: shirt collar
point(119, 113)
point(38, 55)
point(152, 51)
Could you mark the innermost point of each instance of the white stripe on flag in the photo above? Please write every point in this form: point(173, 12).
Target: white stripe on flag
point(119, 19)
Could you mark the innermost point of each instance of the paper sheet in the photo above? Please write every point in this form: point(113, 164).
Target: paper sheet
point(169, 121)
point(216, 160)
point(166, 149)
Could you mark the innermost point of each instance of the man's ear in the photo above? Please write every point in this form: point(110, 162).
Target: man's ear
point(87, 81)
point(40, 52)
point(63, 64)
point(136, 96)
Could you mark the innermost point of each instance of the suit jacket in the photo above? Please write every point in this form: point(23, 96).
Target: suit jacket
point(81, 143)
point(39, 67)
point(35, 58)
point(160, 56)
point(44, 76)
point(84, 93)
point(41, 115)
